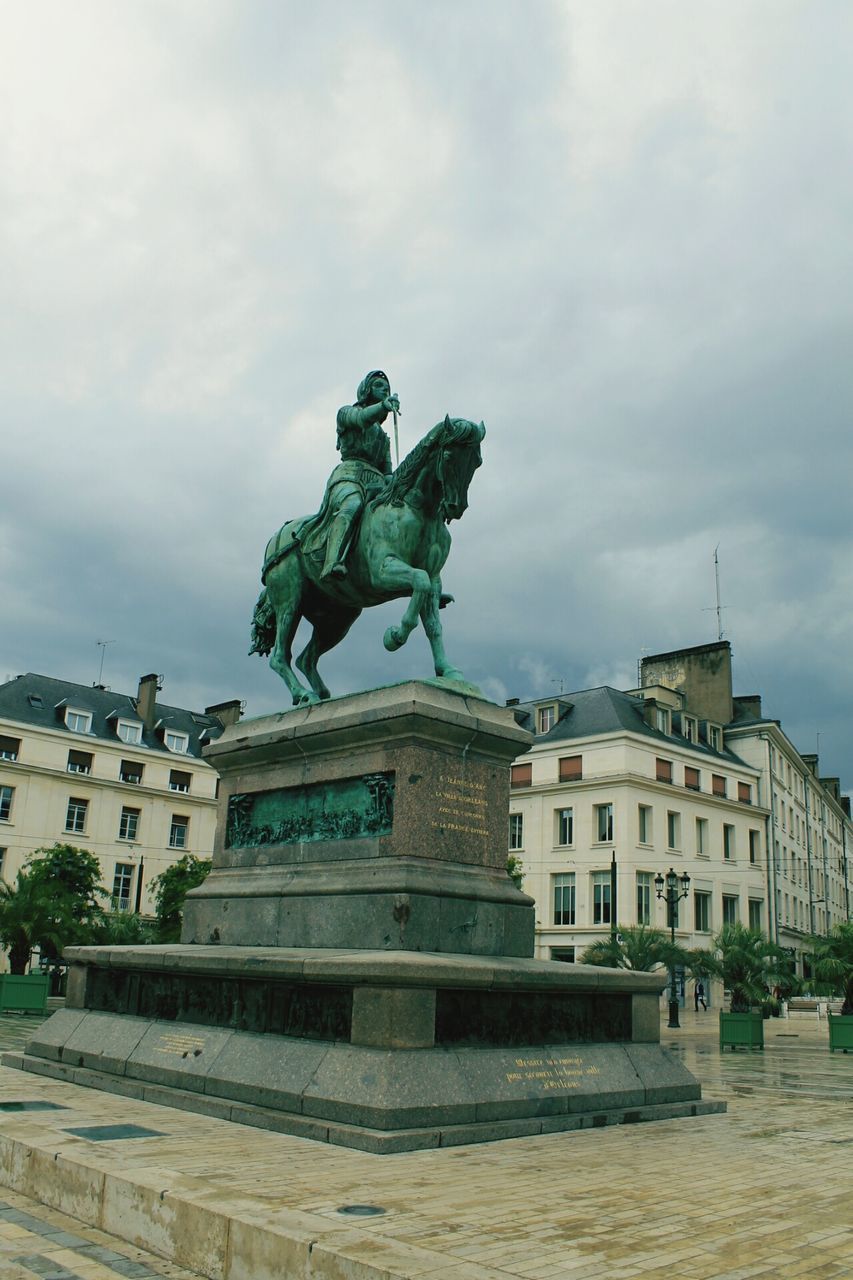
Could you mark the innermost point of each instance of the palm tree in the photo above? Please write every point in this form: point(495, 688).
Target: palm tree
point(833, 964)
point(635, 947)
point(27, 919)
point(748, 965)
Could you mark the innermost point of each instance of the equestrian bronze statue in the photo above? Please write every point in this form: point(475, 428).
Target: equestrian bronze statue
point(379, 535)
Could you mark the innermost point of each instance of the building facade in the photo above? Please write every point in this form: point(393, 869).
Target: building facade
point(122, 777)
point(675, 774)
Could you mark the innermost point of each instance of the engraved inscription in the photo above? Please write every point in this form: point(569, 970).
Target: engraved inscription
point(183, 1046)
point(461, 805)
point(551, 1073)
point(342, 810)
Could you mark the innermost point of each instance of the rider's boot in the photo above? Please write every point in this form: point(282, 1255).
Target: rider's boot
point(333, 566)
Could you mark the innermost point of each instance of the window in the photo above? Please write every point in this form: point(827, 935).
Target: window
point(728, 841)
point(691, 778)
point(128, 827)
point(521, 775)
point(564, 898)
point(718, 784)
point(662, 720)
point(2, 861)
point(565, 954)
point(75, 816)
point(516, 831)
point(663, 770)
point(9, 747)
point(673, 830)
point(702, 837)
point(754, 846)
point(176, 741)
point(179, 781)
point(35, 700)
point(129, 731)
point(744, 793)
point(130, 771)
point(644, 897)
point(79, 762)
point(571, 768)
point(702, 912)
point(604, 822)
point(178, 832)
point(6, 794)
point(730, 908)
point(601, 897)
point(565, 826)
point(688, 728)
point(545, 719)
point(78, 721)
point(645, 820)
point(122, 880)
point(713, 737)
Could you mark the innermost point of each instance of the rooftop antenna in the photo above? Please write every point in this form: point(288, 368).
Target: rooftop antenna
point(719, 607)
point(102, 645)
point(560, 683)
point(643, 653)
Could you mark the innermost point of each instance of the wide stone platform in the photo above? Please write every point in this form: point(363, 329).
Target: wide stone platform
point(376, 826)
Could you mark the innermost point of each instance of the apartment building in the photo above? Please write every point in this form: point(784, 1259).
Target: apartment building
point(121, 776)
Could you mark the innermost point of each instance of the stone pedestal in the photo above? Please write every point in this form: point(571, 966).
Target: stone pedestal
point(357, 967)
point(375, 821)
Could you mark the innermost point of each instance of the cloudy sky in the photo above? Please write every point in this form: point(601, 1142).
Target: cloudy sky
point(619, 231)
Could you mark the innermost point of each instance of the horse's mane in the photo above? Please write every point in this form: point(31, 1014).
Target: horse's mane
point(410, 468)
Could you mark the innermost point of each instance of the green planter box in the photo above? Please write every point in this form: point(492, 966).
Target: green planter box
point(24, 991)
point(840, 1032)
point(744, 1030)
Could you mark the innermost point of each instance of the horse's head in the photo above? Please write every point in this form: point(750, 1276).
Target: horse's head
point(459, 457)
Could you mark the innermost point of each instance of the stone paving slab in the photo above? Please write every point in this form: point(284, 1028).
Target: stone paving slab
point(763, 1190)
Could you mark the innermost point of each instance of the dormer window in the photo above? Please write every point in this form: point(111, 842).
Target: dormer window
point(713, 737)
point(545, 719)
point(78, 721)
point(688, 728)
point(130, 731)
point(178, 742)
point(662, 719)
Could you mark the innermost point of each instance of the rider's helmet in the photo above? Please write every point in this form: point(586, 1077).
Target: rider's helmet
point(363, 393)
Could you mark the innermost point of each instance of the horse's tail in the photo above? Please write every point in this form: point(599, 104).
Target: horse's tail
point(263, 625)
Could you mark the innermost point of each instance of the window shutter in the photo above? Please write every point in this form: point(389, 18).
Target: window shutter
point(571, 768)
point(521, 775)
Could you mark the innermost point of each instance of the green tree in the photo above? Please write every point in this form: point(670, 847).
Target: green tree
point(70, 880)
point(171, 888)
point(515, 870)
point(635, 947)
point(27, 921)
point(123, 929)
point(747, 963)
point(832, 964)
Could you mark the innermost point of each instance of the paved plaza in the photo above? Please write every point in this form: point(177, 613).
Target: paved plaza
point(764, 1190)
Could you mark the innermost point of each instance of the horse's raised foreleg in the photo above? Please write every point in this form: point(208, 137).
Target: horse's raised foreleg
point(402, 578)
point(435, 635)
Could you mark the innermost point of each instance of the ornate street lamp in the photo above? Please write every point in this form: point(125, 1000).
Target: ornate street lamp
point(676, 889)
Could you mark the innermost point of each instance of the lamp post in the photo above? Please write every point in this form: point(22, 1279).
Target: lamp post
point(677, 887)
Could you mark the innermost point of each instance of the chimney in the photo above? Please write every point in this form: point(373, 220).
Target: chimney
point(747, 706)
point(226, 712)
point(146, 696)
point(702, 673)
point(811, 762)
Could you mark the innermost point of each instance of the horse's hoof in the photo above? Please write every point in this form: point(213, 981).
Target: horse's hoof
point(393, 640)
point(305, 699)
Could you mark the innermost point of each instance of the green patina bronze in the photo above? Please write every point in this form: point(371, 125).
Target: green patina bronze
point(379, 535)
point(341, 810)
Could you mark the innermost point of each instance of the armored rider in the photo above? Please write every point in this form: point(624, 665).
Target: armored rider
point(365, 464)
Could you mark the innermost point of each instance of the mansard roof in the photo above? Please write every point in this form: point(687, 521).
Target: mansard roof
point(40, 701)
point(590, 713)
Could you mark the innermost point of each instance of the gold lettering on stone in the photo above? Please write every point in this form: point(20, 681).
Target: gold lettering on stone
point(182, 1045)
point(464, 808)
point(551, 1073)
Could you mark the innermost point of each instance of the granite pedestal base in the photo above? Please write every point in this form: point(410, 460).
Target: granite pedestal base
point(384, 1051)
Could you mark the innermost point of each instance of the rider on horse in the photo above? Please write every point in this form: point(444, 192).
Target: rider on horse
point(361, 474)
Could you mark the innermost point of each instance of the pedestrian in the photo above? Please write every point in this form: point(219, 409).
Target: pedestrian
point(699, 997)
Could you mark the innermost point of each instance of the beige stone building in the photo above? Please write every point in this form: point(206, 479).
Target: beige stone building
point(118, 775)
point(679, 774)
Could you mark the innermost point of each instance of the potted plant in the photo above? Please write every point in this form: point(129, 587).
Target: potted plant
point(832, 966)
point(749, 965)
point(24, 924)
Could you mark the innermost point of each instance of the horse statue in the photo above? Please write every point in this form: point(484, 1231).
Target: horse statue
point(398, 550)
